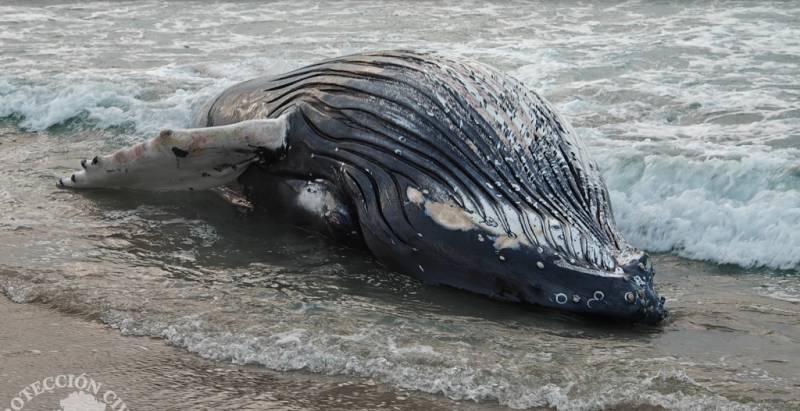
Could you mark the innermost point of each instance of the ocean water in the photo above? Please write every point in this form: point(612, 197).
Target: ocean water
point(692, 111)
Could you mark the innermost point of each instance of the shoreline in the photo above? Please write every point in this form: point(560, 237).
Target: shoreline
point(38, 342)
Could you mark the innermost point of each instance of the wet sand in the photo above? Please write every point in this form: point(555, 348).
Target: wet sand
point(38, 342)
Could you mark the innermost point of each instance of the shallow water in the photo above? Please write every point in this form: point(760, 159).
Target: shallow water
point(692, 112)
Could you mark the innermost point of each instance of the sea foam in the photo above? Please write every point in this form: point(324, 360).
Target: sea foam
point(371, 354)
point(111, 100)
point(725, 204)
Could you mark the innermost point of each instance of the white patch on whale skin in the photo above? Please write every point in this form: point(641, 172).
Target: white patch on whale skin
point(187, 159)
point(414, 195)
point(449, 216)
point(454, 217)
point(504, 241)
point(317, 199)
point(473, 147)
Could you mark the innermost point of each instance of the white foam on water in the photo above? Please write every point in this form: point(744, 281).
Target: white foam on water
point(138, 102)
point(373, 354)
point(105, 101)
point(784, 289)
point(10, 14)
point(737, 205)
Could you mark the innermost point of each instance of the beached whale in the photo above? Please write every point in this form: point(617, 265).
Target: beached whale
point(446, 169)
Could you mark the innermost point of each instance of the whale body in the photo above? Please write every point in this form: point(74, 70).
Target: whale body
point(445, 169)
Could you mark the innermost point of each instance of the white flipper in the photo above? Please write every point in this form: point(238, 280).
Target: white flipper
point(188, 159)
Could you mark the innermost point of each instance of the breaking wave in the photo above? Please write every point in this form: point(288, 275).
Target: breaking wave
point(729, 205)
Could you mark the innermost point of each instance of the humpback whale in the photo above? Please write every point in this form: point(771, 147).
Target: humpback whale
point(445, 169)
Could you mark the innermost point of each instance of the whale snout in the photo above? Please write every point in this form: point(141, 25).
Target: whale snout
point(657, 311)
point(629, 295)
point(652, 307)
point(643, 292)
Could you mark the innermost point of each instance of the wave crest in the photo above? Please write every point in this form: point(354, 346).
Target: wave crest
point(729, 205)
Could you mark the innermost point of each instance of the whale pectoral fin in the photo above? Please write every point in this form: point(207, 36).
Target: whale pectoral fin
point(186, 159)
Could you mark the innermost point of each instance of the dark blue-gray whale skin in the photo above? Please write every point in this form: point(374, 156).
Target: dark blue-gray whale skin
point(451, 172)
